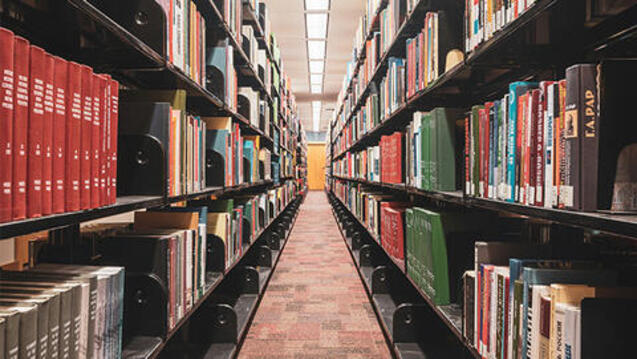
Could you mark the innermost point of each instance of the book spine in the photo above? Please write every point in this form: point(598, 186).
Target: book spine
point(96, 139)
point(47, 136)
point(73, 133)
point(549, 143)
point(114, 120)
point(511, 143)
point(538, 165)
point(7, 44)
point(60, 75)
point(467, 156)
point(86, 137)
point(104, 133)
point(577, 82)
point(34, 132)
point(589, 134)
point(560, 143)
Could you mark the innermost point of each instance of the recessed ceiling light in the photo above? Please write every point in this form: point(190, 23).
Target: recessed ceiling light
point(316, 25)
point(317, 89)
point(316, 79)
point(316, 114)
point(317, 5)
point(317, 66)
point(316, 49)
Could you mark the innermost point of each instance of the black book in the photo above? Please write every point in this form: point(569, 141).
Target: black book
point(604, 135)
point(581, 111)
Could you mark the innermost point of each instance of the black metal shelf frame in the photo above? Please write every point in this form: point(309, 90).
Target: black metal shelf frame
point(450, 315)
point(213, 281)
point(123, 204)
point(618, 224)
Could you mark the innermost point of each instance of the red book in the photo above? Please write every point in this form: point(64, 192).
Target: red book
point(7, 41)
point(73, 132)
point(35, 131)
point(60, 73)
point(394, 157)
point(113, 119)
point(86, 137)
point(96, 139)
point(47, 137)
point(392, 231)
point(105, 124)
point(21, 53)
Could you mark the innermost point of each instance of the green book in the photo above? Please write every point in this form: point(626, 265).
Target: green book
point(224, 205)
point(475, 151)
point(410, 236)
point(445, 151)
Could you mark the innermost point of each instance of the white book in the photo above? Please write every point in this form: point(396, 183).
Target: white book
point(533, 340)
point(548, 148)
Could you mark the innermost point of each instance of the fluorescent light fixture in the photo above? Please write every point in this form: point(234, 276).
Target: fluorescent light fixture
point(317, 89)
point(317, 5)
point(316, 49)
point(316, 114)
point(317, 66)
point(316, 25)
point(316, 79)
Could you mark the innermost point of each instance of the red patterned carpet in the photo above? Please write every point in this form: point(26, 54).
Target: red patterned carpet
point(315, 305)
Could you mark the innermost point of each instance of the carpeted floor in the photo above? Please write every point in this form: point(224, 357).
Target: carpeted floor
point(315, 305)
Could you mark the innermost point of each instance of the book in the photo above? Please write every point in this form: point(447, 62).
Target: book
point(538, 276)
point(7, 42)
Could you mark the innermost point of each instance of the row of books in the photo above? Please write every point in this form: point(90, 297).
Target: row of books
point(519, 306)
point(160, 115)
point(484, 18)
point(517, 302)
point(58, 136)
point(62, 311)
point(227, 218)
point(555, 143)
point(175, 239)
point(186, 38)
point(242, 157)
point(423, 52)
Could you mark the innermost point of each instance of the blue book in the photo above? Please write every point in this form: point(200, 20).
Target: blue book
point(248, 154)
point(515, 89)
point(542, 276)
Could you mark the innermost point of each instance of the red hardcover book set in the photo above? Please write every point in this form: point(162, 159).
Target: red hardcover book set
point(391, 153)
point(392, 231)
point(58, 133)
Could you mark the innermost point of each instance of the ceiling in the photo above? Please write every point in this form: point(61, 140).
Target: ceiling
point(288, 23)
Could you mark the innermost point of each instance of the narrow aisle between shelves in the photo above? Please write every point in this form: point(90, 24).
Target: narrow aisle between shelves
point(315, 304)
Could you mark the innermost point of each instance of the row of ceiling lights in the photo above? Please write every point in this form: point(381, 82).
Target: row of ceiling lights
point(316, 21)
